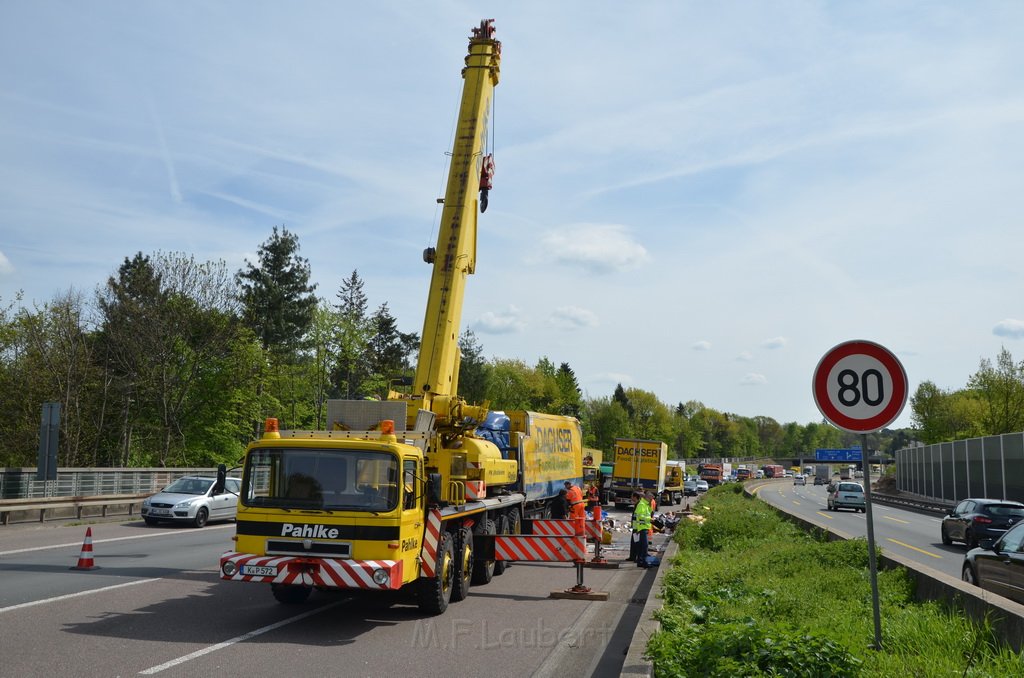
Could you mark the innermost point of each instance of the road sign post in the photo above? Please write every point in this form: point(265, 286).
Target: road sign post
point(861, 387)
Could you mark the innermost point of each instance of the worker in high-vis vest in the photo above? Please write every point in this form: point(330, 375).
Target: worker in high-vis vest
point(575, 497)
point(641, 525)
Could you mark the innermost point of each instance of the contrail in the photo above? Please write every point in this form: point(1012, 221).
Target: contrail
point(165, 154)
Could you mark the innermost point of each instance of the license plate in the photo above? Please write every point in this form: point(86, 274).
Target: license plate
point(259, 570)
point(160, 512)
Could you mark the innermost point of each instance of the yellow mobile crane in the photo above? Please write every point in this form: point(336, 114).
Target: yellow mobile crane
point(401, 495)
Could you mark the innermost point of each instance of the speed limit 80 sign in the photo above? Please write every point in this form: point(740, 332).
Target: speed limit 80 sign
point(860, 386)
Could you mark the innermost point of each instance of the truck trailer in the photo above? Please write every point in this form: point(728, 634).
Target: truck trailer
point(639, 467)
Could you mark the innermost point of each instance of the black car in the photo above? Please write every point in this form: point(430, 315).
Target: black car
point(998, 565)
point(975, 519)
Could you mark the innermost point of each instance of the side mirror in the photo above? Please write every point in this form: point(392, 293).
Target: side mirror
point(222, 474)
point(434, 488)
point(989, 545)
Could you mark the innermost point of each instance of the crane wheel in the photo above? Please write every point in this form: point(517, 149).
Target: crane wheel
point(436, 592)
point(483, 570)
point(463, 564)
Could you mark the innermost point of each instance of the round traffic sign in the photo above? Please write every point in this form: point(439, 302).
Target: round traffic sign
point(860, 386)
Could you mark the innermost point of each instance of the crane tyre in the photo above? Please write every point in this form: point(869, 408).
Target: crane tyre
point(483, 570)
point(463, 564)
point(436, 592)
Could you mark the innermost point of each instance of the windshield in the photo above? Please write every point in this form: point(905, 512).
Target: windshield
point(303, 478)
point(189, 486)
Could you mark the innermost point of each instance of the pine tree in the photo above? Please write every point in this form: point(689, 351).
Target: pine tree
point(276, 294)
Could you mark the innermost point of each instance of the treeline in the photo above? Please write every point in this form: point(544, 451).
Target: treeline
point(174, 362)
point(991, 403)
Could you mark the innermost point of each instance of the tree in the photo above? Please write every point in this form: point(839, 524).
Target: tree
point(1001, 389)
point(168, 325)
point(569, 393)
point(473, 369)
point(276, 294)
point(621, 398)
point(353, 337)
point(603, 421)
point(388, 351)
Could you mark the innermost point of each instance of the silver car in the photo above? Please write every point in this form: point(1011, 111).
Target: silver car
point(846, 495)
point(191, 499)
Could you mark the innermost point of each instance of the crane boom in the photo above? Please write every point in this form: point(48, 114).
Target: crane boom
point(436, 382)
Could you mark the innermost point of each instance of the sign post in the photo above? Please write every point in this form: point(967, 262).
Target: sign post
point(861, 387)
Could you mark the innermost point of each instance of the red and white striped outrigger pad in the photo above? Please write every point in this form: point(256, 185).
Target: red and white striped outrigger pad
point(431, 536)
point(334, 573)
point(532, 547)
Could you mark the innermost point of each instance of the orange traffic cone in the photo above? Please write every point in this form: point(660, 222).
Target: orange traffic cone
point(85, 561)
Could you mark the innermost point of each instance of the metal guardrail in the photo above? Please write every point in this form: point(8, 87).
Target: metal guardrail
point(21, 483)
point(922, 504)
point(48, 508)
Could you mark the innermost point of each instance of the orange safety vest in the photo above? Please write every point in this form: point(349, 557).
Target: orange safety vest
point(575, 497)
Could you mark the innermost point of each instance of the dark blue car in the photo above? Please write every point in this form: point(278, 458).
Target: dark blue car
point(975, 519)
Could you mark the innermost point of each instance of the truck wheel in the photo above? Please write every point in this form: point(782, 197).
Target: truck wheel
point(483, 570)
point(501, 565)
point(463, 564)
point(436, 592)
point(291, 595)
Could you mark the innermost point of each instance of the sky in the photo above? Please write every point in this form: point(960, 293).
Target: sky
point(695, 199)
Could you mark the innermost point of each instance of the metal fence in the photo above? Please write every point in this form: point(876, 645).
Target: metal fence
point(21, 483)
point(992, 466)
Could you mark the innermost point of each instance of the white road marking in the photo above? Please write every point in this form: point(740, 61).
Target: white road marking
point(74, 595)
point(78, 544)
point(237, 639)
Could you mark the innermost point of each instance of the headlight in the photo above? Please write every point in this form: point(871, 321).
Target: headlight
point(381, 577)
point(145, 502)
point(229, 568)
point(183, 504)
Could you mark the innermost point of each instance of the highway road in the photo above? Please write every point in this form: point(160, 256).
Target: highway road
point(155, 606)
point(911, 534)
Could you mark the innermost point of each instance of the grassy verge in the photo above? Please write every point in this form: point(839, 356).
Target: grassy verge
point(750, 594)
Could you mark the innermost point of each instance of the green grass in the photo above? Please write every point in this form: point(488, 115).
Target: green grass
point(750, 594)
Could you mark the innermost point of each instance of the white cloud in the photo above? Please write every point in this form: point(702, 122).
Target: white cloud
point(5, 265)
point(1012, 329)
point(774, 342)
point(745, 356)
point(702, 345)
point(502, 322)
point(573, 318)
point(754, 379)
point(598, 248)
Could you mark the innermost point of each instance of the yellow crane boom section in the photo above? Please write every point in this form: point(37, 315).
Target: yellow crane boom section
point(436, 380)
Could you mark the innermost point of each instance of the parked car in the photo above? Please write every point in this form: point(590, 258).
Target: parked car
point(191, 499)
point(690, 488)
point(847, 495)
point(702, 486)
point(998, 564)
point(975, 519)
point(799, 479)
